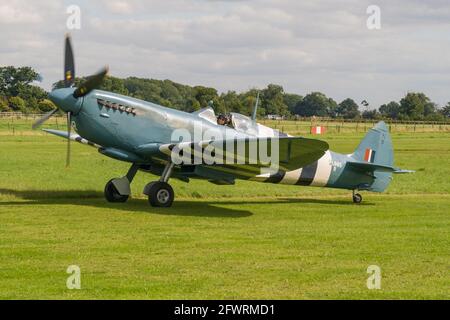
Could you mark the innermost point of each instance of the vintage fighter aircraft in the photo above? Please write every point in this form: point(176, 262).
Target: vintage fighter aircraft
point(141, 133)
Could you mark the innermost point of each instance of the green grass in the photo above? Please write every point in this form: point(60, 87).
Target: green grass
point(250, 240)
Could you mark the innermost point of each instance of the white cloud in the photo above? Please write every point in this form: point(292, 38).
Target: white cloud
point(119, 6)
point(11, 13)
point(304, 46)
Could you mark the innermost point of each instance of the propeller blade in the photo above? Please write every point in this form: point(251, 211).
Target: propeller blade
point(44, 118)
point(69, 129)
point(91, 83)
point(69, 64)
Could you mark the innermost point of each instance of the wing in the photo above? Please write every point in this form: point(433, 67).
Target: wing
point(245, 157)
point(114, 153)
point(73, 136)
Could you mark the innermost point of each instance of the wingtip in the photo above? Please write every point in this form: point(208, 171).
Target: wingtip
point(403, 171)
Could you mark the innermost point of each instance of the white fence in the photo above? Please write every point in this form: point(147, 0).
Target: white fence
point(20, 115)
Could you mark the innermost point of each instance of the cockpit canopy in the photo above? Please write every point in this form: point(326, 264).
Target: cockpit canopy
point(207, 114)
point(240, 123)
point(243, 124)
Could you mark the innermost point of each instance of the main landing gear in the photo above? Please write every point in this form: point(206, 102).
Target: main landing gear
point(160, 193)
point(357, 198)
point(118, 189)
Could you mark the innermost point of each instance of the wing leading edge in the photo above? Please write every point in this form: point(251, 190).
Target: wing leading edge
point(73, 137)
point(244, 155)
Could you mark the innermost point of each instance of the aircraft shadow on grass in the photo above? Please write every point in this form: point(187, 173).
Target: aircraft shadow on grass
point(296, 200)
point(96, 199)
point(195, 208)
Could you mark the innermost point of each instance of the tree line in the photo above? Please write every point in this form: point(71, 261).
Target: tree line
point(18, 93)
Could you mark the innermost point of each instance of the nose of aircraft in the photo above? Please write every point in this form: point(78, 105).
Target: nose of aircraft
point(64, 99)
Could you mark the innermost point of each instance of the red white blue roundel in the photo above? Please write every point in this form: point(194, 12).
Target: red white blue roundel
point(369, 155)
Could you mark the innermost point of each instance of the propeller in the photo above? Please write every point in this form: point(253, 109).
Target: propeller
point(69, 129)
point(69, 63)
point(83, 89)
point(44, 118)
point(91, 83)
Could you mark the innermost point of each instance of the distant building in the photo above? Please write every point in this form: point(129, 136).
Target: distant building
point(274, 117)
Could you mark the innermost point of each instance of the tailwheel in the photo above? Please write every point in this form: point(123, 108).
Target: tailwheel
point(357, 198)
point(160, 194)
point(112, 195)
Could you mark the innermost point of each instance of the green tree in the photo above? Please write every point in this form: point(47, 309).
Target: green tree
point(390, 110)
point(248, 101)
point(114, 85)
point(348, 109)
point(445, 111)
point(4, 106)
point(291, 100)
point(192, 105)
point(14, 80)
point(204, 95)
point(231, 102)
point(46, 105)
point(316, 104)
point(436, 116)
point(17, 104)
point(415, 106)
point(16, 83)
point(272, 100)
point(430, 109)
point(371, 114)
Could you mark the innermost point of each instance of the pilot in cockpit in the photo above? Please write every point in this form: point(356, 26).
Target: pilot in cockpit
point(223, 120)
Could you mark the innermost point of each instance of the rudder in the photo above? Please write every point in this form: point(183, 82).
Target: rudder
point(376, 148)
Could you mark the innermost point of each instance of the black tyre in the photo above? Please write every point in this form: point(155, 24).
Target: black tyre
point(160, 194)
point(357, 198)
point(112, 195)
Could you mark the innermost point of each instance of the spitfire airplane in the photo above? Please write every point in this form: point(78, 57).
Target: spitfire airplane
point(142, 133)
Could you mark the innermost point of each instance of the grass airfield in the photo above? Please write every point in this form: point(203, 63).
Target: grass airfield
point(248, 241)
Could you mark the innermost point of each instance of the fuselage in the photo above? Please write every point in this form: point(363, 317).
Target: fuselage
point(150, 123)
point(124, 123)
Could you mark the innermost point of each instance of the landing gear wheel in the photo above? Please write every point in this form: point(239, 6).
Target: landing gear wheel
point(112, 195)
point(160, 194)
point(357, 198)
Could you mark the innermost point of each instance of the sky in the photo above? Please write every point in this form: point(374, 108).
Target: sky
point(305, 46)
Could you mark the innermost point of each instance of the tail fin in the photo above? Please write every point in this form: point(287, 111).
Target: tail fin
point(376, 147)
point(376, 150)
